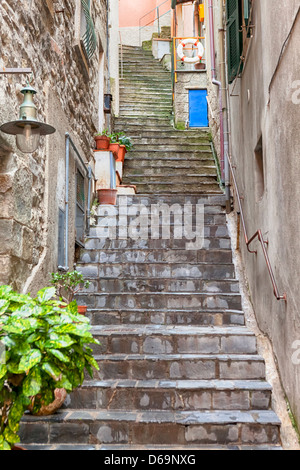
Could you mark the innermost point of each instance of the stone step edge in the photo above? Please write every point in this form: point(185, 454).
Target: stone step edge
point(148, 448)
point(171, 330)
point(185, 418)
point(188, 384)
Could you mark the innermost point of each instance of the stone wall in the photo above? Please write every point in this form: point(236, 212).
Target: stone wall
point(33, 35)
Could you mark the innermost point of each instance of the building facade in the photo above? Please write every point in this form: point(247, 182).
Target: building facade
point(264, 114)
point(71, 50)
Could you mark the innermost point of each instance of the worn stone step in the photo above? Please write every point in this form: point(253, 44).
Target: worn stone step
point(170, 179)
point(193, 166)
point(181, 366)
point(155, 229)
point(164, 285)
point(161, 300)
point(176, 156)
point(155, 171)
point(172, 395)
point(158, 339)
point(156, 256)
point(211, 202)
point(201, 188)
point(147, 427)
point(171, 317)
point(193, 147)
point(114, 243)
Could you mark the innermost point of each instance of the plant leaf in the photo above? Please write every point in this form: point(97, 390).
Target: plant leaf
point(52, 370)
point(59, 355)
point(33, 383)
point(46, 294)
point(30, 360)
point(59, 341)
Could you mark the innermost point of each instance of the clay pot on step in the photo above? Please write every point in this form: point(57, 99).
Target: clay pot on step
point(102, 142)
point(114, 148)
point(121, 154)
point(107, 196)
point(60, 396)
point(82, 309)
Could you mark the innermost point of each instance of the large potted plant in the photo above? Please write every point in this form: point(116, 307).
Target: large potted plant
point(102, 140)
point(67, 285)
point(44, 348)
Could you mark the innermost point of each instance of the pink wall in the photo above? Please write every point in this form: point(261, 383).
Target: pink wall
point(130, 11)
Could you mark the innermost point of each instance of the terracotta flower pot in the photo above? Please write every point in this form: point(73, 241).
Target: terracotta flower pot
point(114, 148)
point(82, 309)
point(121, 153)
point(102, 142)
point(60, 396)
point(107, 196)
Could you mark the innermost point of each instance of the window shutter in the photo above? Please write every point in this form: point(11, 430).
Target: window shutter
point(234, 38)
point(89, 37)
point(173, 4)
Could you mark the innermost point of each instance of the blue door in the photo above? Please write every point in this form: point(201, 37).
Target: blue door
point(198, 108)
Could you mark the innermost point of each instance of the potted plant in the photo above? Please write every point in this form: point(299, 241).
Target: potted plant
point(67, 285)
point(102, 140)
point(45, 348)
point(114, 145)
point(125, 146)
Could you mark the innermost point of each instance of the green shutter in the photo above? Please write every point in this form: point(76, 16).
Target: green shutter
point(246, 11)
point(234, 38)
point(174, 4)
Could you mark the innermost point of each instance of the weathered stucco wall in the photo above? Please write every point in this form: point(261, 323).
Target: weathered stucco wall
point(32, 185)
point(267, 107)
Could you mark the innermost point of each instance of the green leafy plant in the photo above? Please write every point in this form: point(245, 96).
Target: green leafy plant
point(105, 132)
point(68, 284)
point(124, 140)
point(46, 348)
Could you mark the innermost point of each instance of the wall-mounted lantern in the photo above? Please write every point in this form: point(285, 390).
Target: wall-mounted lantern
point(27, 128)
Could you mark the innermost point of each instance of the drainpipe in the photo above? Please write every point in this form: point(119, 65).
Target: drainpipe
point(223, 144)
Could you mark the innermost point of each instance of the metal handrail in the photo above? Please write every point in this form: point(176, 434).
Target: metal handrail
point(153, 21)
point(258, 234)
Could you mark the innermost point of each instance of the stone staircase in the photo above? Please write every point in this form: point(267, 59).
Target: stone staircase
point(178, 367)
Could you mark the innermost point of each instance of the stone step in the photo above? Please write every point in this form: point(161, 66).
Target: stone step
point(158, 270)
point(193, 147)
point(147, 428)
point(211, 203)
point(143, 256)
point(158, 339)
point(176, 164)
point(171, 317)
point(135, 113)
point(154, 229)
point(161, 300)
point(181, 366)
point(163, 285)
point(175, 395)
point(170, 179)
point(172, 449)
point(95, 243)
point(165, 188)
point(151, 171)
point(169, 157)
point(162, 139)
